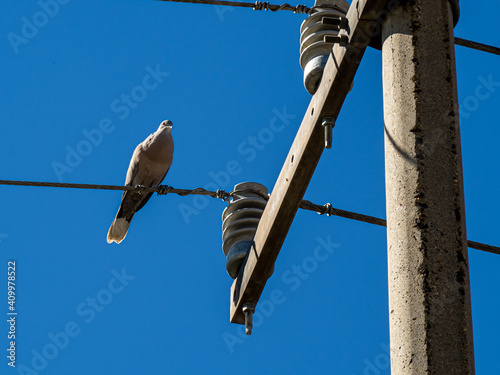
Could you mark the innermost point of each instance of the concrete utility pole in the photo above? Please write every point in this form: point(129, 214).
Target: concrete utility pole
point(429, 294)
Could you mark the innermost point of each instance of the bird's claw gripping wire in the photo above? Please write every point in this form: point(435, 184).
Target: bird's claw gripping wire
point(139, 189)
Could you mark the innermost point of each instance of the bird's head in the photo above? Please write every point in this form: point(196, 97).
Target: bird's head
point(166, 123)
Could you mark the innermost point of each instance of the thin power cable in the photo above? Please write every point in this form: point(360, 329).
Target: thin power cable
point(326, 209)
point(161, 189)
point(483, 246)
point(329, 210)
point(477, 46)
point(258, 5)
point(303, 9)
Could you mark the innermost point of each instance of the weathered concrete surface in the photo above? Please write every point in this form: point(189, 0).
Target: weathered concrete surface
point(429, 293)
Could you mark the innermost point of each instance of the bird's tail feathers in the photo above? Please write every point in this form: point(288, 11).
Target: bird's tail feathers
point(118, 230)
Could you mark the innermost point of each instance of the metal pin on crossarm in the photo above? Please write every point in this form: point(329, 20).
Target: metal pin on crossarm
point(248, 310)
point(328, 124)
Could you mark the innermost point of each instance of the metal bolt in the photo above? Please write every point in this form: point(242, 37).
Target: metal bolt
point(248, 310)
point(328, 123)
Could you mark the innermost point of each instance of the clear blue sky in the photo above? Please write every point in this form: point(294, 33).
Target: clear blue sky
point(223, 76)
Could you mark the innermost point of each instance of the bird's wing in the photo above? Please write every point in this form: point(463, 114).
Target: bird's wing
point(146, 197)
point(133, 168)
point(131, 199)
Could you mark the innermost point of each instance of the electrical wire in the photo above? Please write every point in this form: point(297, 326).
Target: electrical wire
point(329, 210)
point(161, 189)
point(326, 209)
point(258, 5)
point(303, 9)
point(477, 46)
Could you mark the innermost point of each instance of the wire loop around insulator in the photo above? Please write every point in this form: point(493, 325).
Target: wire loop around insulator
point(331, 6)
point(249, 191)
point(301, 9)
point(221, 194)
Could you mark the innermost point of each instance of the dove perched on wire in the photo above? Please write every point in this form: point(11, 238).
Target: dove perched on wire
point(148, 167)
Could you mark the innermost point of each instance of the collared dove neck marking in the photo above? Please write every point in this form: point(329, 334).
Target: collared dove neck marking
point(148, 167)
